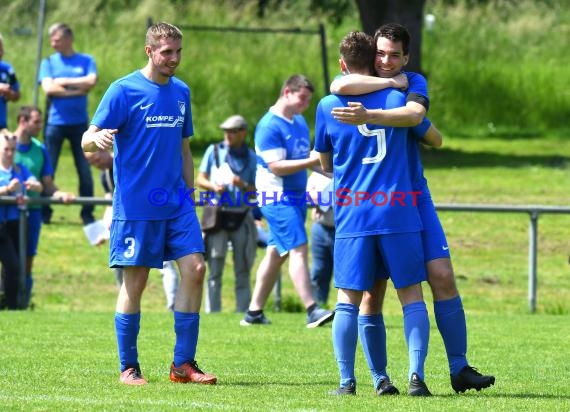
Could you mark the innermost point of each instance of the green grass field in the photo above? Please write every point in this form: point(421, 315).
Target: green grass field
point(68, 340)
point(67, 361)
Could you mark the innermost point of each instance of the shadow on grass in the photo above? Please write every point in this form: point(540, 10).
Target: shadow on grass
point(446, 158)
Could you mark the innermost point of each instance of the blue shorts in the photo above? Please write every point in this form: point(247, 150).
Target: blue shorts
point(286, 224)
point(34, 228)
point(360, 261)
point(149, 243)
point(433, 237)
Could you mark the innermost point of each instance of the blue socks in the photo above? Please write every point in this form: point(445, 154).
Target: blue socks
point(345, 337)
point(450, 319)
point(127, 330)
point(186, 327)
point(372, 332)
point(416, 330)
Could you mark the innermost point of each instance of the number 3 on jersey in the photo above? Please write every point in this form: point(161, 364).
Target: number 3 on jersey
point(380, 140)
point(130, 252)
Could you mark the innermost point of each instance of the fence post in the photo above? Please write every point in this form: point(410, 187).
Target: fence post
point(23, 253)
point(532, 249)
point(324, 57)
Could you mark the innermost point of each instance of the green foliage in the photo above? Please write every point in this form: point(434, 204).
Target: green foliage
point(495, 67)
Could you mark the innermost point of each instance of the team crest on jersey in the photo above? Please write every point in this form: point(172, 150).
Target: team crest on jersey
point(182, 107)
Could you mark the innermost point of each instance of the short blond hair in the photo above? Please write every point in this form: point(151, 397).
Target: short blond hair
point(161, 30)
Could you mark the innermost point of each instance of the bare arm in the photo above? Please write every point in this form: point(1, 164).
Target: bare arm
point(355, 84)
point(8, 93)
point(53, 88)
point(433, 137)
point(326, 161)
point(188, 166)
point(95, 139)
point(84, 83)
point(287, 167)
point(51, 189)
point(406, 116)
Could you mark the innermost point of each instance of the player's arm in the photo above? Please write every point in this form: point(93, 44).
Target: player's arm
point(188, 166)
point(289, 166)
point(432, 137)
point(355, 84)
point(95, 139)
point(326, 161)
point(406, 116)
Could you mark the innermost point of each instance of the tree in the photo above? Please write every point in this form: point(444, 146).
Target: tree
point(374, 13)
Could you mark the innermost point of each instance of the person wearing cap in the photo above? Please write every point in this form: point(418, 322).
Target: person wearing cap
point(227, 173)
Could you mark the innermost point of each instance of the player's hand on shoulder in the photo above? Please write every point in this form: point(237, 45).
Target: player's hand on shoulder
point(400, 81)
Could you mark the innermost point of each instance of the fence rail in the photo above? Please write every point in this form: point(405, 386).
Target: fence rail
point(534, 211)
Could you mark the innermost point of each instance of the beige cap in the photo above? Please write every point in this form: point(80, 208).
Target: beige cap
point(234, 122)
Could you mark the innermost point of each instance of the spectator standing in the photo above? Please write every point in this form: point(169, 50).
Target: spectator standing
point(9, 87)
point(282, 144)
point(66, 78)
point(146, 118)
point(228, 169)
point(31, 153)
point(319, 188)
point(15, 180)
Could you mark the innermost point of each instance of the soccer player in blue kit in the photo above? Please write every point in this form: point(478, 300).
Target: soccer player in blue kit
point(146, 118)
point(448, 307)
point(377, 222)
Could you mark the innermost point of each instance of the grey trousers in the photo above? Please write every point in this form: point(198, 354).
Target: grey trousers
point(244, 244)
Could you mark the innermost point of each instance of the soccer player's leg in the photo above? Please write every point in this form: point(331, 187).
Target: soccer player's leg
point(447, 304)
point(133, 246)
point(404, 260)
point(184, 244)
point(351, 278)
point(372, 332)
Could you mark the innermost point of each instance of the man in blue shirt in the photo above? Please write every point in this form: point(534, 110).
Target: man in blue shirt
point(9, 87)
point(282, 144)
point(377, 222)
point(66, 78)
point(146, 118)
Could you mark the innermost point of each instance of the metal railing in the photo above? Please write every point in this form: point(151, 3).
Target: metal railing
point(534, 211)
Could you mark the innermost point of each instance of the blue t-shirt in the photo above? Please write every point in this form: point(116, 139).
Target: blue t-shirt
point(11, 212)
point(369, 161)
point(70, 110)
point(243, 167)
point(154, 121)
point(279, 138)
point(8, 76)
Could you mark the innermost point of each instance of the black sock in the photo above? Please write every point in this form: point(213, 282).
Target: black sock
point(311, 308)
point(254, 312)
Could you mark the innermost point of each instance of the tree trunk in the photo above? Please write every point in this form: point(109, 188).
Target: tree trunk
point(374, 13)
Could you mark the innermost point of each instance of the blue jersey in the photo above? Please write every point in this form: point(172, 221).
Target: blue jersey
point(8, 76)
point(154, 121)
point(278, 138)
point(372, 184)
point(11, 212)
point(67, 110)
